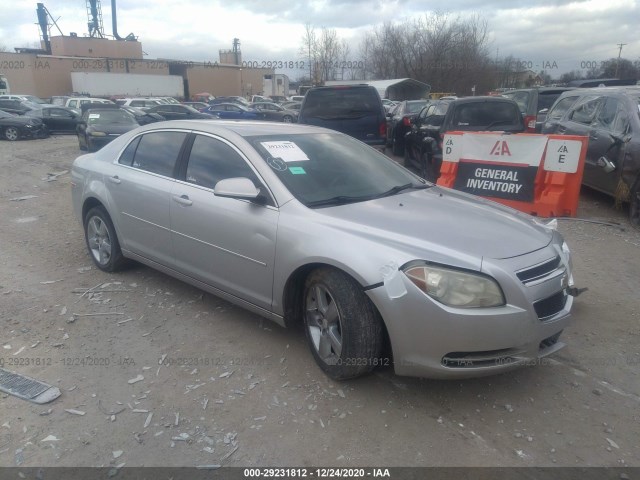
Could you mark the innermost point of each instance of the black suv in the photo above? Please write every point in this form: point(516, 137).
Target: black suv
point(423, 144)
point(609, 117)
point(355, 110)
point(399, 121)
point(534, 104)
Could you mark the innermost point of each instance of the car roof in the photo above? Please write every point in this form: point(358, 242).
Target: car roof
point(481, 99)
point(243, 128)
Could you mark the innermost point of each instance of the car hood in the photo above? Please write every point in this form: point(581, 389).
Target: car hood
point(442, 218)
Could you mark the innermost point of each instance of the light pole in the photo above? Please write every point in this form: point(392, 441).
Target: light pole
point(241, 89)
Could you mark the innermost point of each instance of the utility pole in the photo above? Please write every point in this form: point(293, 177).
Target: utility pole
point(619, 53)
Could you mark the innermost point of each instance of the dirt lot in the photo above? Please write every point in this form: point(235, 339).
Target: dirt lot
point(234, 389)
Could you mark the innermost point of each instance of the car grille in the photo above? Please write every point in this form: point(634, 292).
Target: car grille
point(550, 306)
point(539, 271)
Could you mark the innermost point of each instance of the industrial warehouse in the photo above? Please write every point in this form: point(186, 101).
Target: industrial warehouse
point(47, 72)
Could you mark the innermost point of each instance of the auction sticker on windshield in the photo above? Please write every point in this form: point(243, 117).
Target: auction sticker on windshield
point(285, 150)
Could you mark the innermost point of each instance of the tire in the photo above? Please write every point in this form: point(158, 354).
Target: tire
point(343, 328)
point(80, 146)
point(427, 170)
point(12, 134)
point(396, 148)
point(102, 241)
point(634, 205)
point(287, 119)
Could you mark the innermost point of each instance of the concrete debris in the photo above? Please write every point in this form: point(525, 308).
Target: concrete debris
point(63, 311)
point(139, 410)
point(122, 322)
point(50, 438)
point(45, 413)
point(239, 392)
point(205, 402)
point(147, 422)
point(597, 391)
point(48, 282)
point(253, 385)
point(612, 443)
point(259, 419)
point(19, 351)
point(508, 408)
point(177, 419)
point(183, 437)
point(74, 412)
point(21, 199)
point(35, 344)
point(19, 457)
point(341, 393)
point(137, 379)
point(226, 374)
point(208, 449)
point(117, 453)
point(52, 177)
point(230, 453)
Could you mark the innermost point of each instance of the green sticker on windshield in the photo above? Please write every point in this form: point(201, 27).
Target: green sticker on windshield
point(297, 170)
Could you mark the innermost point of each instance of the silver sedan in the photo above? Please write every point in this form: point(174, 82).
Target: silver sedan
point(305, 225)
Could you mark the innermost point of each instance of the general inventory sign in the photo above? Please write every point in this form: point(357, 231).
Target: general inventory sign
point(538, 174)
point(496, 165)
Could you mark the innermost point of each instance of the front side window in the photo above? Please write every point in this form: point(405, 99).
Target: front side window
point(560, 108)
point(585, 111)
point(212, 160)
point(157, 152)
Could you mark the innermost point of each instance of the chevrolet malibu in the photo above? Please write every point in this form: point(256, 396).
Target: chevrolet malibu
point(304, 225)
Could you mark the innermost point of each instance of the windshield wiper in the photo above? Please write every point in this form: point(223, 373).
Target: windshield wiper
point(497, 122)
point(400, 188)
point(339, 200)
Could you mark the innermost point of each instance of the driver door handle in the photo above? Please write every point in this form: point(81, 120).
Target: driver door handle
point(115, 179)
point(183, 200)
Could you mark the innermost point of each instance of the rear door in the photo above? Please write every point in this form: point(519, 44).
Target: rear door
point(140, 194)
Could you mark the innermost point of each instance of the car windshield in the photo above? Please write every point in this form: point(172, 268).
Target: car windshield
point(109, 117)
point(326, 169)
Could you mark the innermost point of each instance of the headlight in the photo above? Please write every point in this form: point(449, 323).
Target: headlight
point(97, 134)
point(456, 288)
point(28, 125)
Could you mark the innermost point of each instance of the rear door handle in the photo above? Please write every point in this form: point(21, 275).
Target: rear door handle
point(183, 200)
point(115, 179)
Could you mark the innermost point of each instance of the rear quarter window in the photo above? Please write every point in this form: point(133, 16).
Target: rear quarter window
point(157, 152)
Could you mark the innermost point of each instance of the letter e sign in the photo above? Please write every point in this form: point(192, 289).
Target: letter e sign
point(562, 156)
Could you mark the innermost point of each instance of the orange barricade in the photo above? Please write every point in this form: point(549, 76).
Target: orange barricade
point(536, 174)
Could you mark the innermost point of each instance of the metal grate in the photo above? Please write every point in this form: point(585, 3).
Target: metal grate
point(538, 271)
point(549, 306)
point(26, 388)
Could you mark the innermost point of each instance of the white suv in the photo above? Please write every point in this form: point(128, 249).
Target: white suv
point(76, 102)
point(141, 102)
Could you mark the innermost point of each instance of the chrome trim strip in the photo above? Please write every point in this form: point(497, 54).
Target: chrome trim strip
point(220, 248)
point(146, 221)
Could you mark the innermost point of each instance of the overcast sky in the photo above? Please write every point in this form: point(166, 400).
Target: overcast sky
point(565, 35)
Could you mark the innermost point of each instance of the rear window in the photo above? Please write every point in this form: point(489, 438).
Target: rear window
point(342, 103)
point(486, 115)
point(415, 107)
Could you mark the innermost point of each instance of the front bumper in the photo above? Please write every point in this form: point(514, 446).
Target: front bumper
point(96, 143)
point(429, 339)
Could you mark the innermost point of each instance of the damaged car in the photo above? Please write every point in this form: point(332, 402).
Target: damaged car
point(307, 226)
point(610, 118)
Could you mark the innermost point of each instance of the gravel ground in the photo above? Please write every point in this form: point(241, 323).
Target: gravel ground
point(167, 375)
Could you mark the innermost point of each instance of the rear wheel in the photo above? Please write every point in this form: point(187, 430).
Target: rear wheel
point(343, 328)
point(102, 240)
point(287, 119)
point(427, 170)
point(80, 145)
point(397, 146)
point(12, 134)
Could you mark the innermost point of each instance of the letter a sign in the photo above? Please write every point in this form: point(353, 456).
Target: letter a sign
point(500, 148)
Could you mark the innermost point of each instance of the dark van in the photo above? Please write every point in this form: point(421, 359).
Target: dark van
point(354, 110)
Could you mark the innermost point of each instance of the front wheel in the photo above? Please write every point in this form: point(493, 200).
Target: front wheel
point(12, 134)
point(287, 119)
point(427, 168)
point(397, 147)
point(102, 240)
point(343, 328)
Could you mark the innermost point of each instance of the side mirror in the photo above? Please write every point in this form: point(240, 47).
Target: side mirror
point(239, 187)
point(544, 111)
point(607, 165)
